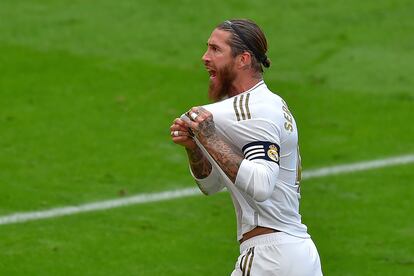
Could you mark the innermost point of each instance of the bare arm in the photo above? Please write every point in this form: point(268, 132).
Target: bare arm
point(199, 164)
point(223, 154)
point(204, 129)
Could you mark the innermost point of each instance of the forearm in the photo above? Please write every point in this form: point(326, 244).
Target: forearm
point(228, 160)
point(203, 127)
point(199, 164)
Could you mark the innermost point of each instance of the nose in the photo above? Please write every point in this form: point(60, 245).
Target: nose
point(205, 58)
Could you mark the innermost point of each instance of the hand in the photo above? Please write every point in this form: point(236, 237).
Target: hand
point(201, 123)
point(181, 135)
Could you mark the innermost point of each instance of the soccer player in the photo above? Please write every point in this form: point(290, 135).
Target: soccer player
point(247, 142)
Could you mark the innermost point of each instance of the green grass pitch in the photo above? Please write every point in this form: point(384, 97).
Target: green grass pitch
point(88, 90)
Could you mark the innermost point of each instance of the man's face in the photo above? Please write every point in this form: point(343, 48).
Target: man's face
point(219, 63)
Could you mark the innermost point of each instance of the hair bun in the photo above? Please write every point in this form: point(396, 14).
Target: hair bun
point(266, 63)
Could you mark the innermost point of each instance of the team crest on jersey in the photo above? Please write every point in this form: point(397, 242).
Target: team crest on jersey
point(262, 150)
point(273, 153)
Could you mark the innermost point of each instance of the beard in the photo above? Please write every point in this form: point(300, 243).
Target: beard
point(221, 86)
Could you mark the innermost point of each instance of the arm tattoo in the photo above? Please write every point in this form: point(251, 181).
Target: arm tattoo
point(228, 160)
point(200, 166)
point(207, 127)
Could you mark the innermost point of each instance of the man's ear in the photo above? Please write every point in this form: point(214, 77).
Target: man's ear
point(244, 60)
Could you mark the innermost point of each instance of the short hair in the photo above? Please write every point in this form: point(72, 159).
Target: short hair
point(247, 36)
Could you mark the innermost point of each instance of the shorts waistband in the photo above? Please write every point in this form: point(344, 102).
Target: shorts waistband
point(269, 239)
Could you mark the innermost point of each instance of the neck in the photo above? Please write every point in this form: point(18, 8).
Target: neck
point(242, 84)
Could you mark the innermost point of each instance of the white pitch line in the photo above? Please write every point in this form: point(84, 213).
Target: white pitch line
point(167, 195)
point(360, 166)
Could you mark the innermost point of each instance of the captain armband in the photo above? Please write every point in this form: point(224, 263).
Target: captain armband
point(262, 150)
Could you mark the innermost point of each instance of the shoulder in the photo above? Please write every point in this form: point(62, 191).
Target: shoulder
point(256, 104)
point(264, 104)
point(262, 114)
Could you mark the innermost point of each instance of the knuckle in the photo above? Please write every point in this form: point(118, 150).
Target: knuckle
point(203, 117)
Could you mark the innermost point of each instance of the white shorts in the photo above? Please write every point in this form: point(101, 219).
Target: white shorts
point(278, 254)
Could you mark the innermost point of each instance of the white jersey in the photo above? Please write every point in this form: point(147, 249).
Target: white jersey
point(258, 125)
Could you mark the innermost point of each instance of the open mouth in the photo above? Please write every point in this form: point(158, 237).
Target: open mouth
point(212, 73)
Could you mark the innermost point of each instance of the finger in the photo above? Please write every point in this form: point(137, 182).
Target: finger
point(178, 127)
point(199, 114)
point(178, 133)
point(181, 139)
point(204, 112)
point(195, 109)
point(175, 133)
point(192, 125)
point(185, 119)
point(179, 121)
point(193, 113)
